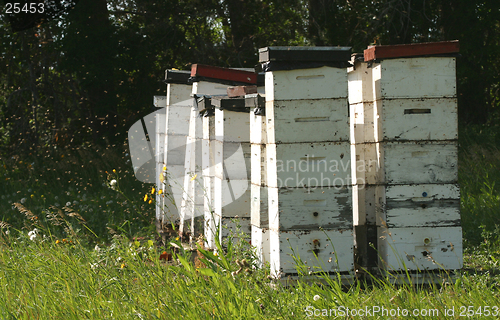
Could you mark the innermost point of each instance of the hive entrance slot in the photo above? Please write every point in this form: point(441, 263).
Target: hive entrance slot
point(417, 111)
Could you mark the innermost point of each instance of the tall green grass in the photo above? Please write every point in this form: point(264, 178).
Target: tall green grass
point(479, 178)
point(42, 278)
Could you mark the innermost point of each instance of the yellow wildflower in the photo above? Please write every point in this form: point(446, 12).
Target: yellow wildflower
point(114, 171)
point(122, 266)
point(57, 241)
point(150, 200)
point(145, 197)
point(160, 191)
point(153, 190)
point(194, 177)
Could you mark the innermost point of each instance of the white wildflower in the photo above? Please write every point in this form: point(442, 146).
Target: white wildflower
point(316, 297)
point(68, 204)
point(23, 200)
point(112, 184)
point(32, 234)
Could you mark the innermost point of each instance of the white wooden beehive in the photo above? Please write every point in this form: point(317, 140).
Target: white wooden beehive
point(308, 162)
point(173, 123)
point(430, 248)
point(220, 79)
point(232, 196)
point(258, 177)
point(403, 133)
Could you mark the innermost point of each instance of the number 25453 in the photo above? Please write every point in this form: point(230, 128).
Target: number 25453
point(24, 7)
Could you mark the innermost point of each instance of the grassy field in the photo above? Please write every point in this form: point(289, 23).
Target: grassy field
point(73, 248)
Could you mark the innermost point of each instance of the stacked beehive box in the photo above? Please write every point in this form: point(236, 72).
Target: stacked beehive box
point(232, 167)
point(219, 80)
point(171, 138)
point(308, 159)
point(404, 121)
point(230, 215)
point(259, 192)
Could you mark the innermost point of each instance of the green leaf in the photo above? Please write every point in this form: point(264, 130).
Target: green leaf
point(207, 272)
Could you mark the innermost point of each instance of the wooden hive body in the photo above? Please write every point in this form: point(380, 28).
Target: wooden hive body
point(404, 138)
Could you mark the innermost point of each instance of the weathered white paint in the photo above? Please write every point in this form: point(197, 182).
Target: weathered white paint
point(232, 155)
point(314, 83)
point(175, 125)
point(208, 171)
point(259, 206)
point(310, 120)
point(423, 77)
point(370, 202)
point(420, 205)
point(258, 132)
point(260, 240)
point(431, 248)
point(236, 159)
point(160, 117)
point(411, 162)
point(308, 164)
point(326, 250)
point(360, 83)
point(416, 119)
point(178, 92)
point(314, 208)
point(193, 168)
point(258, 164)
point(403, 125)
point(232, 126)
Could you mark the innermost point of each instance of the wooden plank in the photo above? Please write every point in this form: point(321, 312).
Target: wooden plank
point(311, 120)
point(420, 205)
point(232, 198)
point(260, 240)
point(330, 250)
point(236, 161)
point(316, 83)
point(177, 93)
point(418, 119)
point(240, 91)
point(433, 248)
point(433, 77)
point(258, 132)
point(409, 50)
point(360, 84)
point(315, 208)
point(199, 70)
point(425, 162)
point(259, 206)
point(258, 174)
point(232, 126)
point(320, 164)
point(411, 162)
point(317, 54)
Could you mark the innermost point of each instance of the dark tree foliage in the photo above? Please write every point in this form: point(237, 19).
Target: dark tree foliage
point(86, 74)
